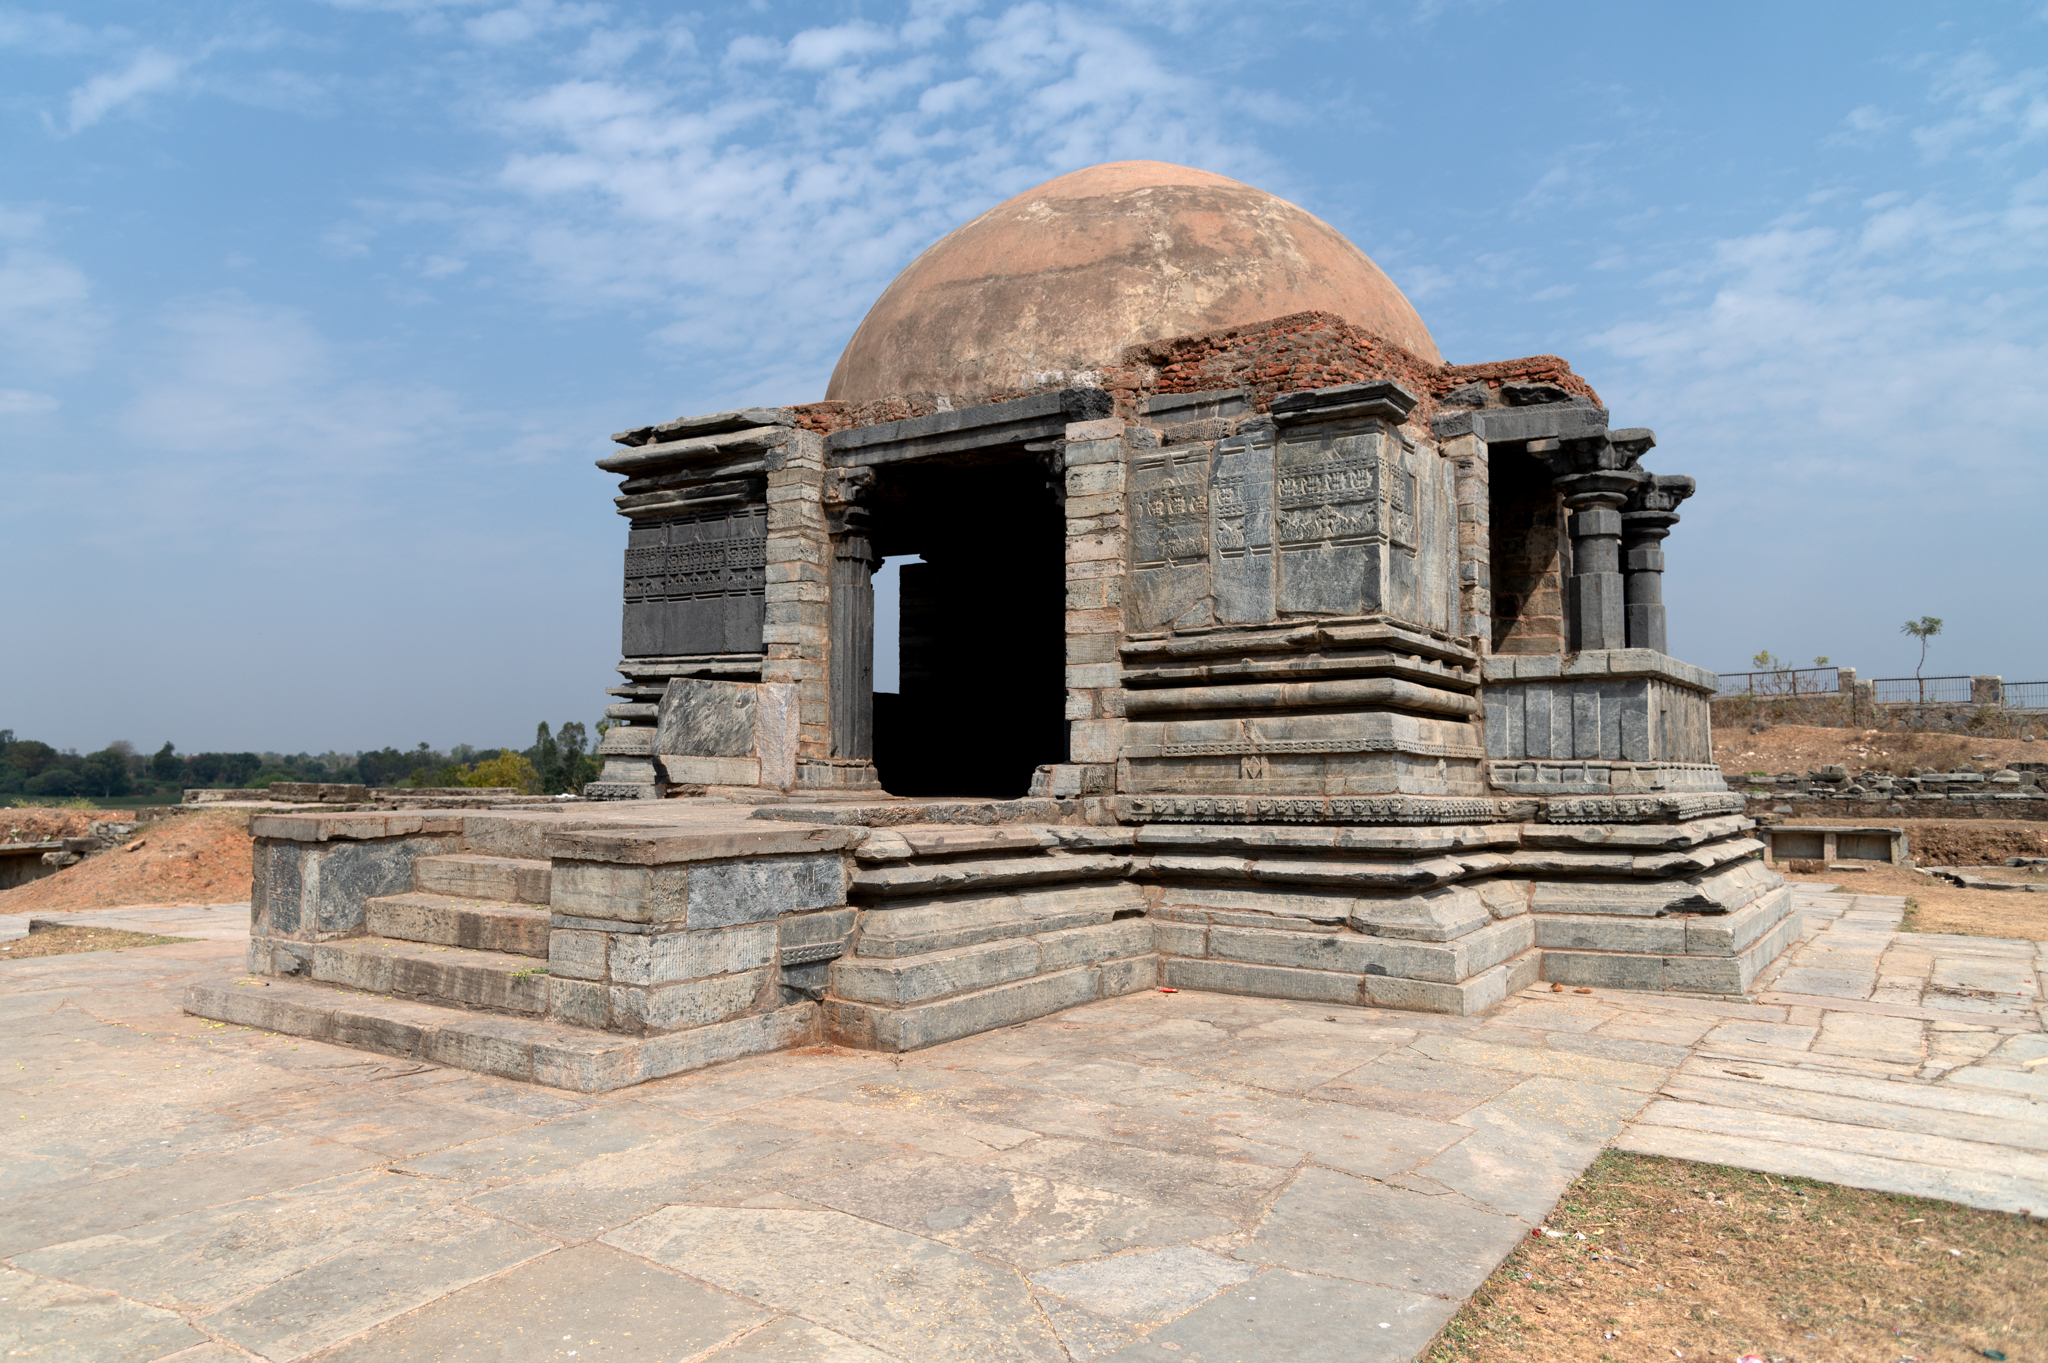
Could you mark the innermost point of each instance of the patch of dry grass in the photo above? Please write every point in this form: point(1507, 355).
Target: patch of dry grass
point(62, 941)
point(1936, 906)
point(1667, 1260)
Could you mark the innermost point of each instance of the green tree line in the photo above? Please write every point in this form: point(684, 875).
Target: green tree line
point(559, 762)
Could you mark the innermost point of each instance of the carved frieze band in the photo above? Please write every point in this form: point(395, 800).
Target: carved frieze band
point(1416, 748)
point(690, 558)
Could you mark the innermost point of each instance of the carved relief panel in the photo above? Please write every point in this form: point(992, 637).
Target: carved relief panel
point(694, 583)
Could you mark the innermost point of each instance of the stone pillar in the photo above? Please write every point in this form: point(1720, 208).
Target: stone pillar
point(1467, 454)
point(1645, 520)
point(1596, 476)
point(853, 647)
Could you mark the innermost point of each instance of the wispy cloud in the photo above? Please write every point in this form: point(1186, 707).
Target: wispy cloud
point(147, 72)
point(49, 319)
point(794, 179)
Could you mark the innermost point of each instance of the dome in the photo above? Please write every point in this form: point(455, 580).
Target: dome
point(1063, 277)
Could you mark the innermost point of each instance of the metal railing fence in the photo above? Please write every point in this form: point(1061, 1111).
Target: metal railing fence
point(1921, 690)
point(1784, 681)
point(2026, 695)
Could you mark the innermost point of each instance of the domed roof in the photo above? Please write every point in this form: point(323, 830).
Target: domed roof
point(1063, 277)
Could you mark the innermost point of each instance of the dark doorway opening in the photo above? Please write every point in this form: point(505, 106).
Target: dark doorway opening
point(982, 628)
point(1528, 554)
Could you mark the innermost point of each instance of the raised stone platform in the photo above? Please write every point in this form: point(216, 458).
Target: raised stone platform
point(591, 947)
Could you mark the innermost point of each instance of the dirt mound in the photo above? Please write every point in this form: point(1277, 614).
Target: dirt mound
point(1803, 747)
point(1971, 842)
point(185, 859)
point(47, 825)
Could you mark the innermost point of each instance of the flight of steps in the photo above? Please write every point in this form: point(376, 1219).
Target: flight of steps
point(473, 932)
point(967, 929)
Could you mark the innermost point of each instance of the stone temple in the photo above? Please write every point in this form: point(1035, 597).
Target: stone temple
point(1253, 648)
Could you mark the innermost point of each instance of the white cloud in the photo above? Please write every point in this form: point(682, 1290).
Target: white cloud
point(714, 199)
point(230, 377)
point(1984, 105)
point(49, 322)
point(20, 401)
point(821, 49)
point(148, 71)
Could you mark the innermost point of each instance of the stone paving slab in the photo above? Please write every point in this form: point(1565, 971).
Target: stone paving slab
point(1908, 1077)
point(1147, 1178)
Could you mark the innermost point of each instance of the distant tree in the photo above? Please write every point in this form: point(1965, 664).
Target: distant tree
point(167, 765)
point(106, 774)
point(547, 759)
point(508, 768)
point(59, 782)
point(1821, 661)
point(31, 756)
point(578, 767)
point(1924, 629)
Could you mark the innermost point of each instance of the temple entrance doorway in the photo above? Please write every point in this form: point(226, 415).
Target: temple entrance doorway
point(981, 627)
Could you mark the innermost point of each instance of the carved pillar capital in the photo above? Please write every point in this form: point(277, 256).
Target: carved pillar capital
point(1646, 518)
point(1597, 475)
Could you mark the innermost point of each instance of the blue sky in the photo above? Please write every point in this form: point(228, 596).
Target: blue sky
point(313, 317)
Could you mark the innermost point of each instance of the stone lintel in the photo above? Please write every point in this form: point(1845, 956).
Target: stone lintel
point(665, 848)
point(1512, 425)
point(364, 827)
point(645, 459)
point(1042, 416)
point(1597, 664)
point(1382, 398)
point(713, 424)
point(1173, 408)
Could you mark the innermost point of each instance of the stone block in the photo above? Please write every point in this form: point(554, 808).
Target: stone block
point(1704, 974)
point(635, 894)
point(724, 893)
point(1436, 916)
point(1180, 939)
point(339, 878)
point(1731, 934)
point(1603, 970)
point(445, 921)
point(576, 955)
point(776, 733)
point(1263, 981)
point(814, 929)
point(1086, 946)
point(660, 958)
point(915, 979)
point(757, 1035)
point(1463, 999)
point(711, 771)
point(873, 1027)
point(481, 1047)
point(1607, 932)
point(291, 1013)
point(580, 1003)
point(1504, 898)
point(1131, 975)
point(672, 1007)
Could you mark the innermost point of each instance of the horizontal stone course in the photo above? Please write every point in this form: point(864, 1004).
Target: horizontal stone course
point(444, 920)
point(476, 979)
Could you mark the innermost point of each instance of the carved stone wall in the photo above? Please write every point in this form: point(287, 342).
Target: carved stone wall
point(695, 582)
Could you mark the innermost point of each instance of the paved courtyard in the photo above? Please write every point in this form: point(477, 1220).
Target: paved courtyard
point(1164, 1176)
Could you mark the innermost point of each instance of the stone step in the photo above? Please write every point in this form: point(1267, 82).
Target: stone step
point(450, 921)
point(904, 980)
point(913, 929)
point(963, 877)
point(534, 1051)
point(471, 979)
point(511, 880)
point(873, 1026)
